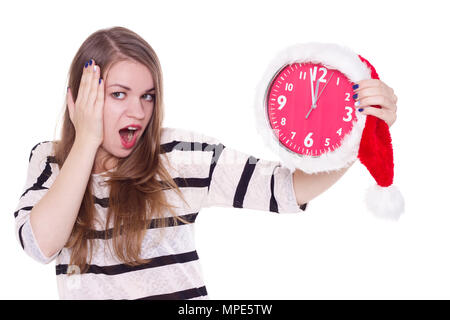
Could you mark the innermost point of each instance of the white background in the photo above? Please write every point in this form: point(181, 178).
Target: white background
point(213, 54)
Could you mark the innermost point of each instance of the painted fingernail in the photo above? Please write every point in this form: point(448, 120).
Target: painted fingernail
point(355, 86)
point(86, 65)
point(360, 109)
point(99, 80)
point(90, 61)
point(355, 96)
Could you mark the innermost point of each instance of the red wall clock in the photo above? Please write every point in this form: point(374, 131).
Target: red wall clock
point(306, 113)
point(305, 107)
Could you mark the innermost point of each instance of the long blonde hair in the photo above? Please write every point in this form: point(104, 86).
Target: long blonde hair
point(136, 196)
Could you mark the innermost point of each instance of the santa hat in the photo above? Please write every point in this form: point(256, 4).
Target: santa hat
point(370, 140)
point(375, 152)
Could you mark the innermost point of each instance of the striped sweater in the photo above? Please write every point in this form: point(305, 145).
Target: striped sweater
point(215, 176)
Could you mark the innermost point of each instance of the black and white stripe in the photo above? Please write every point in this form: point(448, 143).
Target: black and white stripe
point(44, 176)
point(154, 223)
point(34, 148)
point(179, 145)
point(273, 201)
point(242, 186)
point(116, 269)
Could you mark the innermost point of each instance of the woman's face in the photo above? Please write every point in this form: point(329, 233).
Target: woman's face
point(129, 103)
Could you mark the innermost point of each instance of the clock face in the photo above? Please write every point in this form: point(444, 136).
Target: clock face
point(310, 108)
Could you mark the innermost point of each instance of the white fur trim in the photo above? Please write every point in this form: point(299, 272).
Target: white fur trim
point(385, 202)
point(332, 56)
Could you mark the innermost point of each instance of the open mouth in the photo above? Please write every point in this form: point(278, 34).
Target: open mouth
point(128, 136)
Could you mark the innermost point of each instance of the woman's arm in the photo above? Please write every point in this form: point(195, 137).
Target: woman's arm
point(369, 92)
point(309, 186)
point(53, 217)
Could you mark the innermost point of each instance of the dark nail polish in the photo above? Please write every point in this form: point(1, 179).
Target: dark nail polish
point(355, 96)
point(355, 86)
point(360, 109)
point(86, 65)
point(99, 80)
point(90, 62)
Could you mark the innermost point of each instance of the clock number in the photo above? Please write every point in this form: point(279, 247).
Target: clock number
point(289, 87)
point(313, 74)
point(281, 101)
point(283, 121)
point(308, 140)
point(322, 78)
point(327, 142)
point(348, 96)
point(339, 132)
point(293, 134)
point(302, 75)
point(349, 114)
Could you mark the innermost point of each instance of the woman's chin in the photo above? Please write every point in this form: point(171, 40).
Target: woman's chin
point(121, 152)
point(117, 150)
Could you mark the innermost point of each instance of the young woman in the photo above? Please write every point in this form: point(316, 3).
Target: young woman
point(114, 201)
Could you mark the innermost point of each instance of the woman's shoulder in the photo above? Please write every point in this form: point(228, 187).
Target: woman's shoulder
point(171, 134)
point(42, 149)
point(188, 150)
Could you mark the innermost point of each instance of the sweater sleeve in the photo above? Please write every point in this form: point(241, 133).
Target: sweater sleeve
point(240, 180)
point(40, 176)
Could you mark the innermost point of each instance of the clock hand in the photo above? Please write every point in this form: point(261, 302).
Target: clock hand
point(307, 115)
point(314, 99)
point(312, 90)
point(324, 87)
point(317, 90)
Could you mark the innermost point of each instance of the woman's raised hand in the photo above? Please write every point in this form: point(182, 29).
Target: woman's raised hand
point(375, 92)
point(86, 113)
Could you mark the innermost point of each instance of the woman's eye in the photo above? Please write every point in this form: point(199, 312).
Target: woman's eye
point(116, 93)
point(148, 97)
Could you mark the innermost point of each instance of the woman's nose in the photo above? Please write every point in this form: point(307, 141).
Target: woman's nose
point(136, 109)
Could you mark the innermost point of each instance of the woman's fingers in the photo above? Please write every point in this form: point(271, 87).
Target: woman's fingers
point(92, 94)
point(373, 87)
point(378, 100)
point(374, 92)
point(84, 91)
point(83, 84)
point(383, 114)
point(87, 122)
point(368, 83)
point(100, 100)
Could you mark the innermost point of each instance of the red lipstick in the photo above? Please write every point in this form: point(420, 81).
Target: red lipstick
point(128, 135)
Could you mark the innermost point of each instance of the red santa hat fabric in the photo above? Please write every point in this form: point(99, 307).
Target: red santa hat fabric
point(376, 154)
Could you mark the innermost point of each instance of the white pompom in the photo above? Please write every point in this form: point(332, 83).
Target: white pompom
point(385, 202)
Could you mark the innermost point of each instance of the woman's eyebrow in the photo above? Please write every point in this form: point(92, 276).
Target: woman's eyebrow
point(126, 88)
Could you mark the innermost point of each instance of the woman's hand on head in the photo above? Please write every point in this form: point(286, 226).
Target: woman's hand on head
point(375, 92)
point(86, 113)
